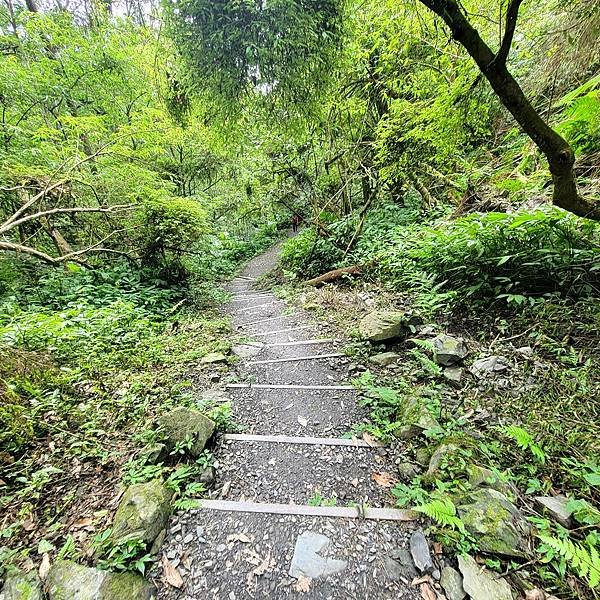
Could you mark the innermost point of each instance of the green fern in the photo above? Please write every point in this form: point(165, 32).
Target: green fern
point(443, 512)
point(524, 440)
point(583, 560)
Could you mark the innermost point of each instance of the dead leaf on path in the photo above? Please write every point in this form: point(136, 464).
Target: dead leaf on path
point(384, 479)
point(44, 566)
point(371, 440)
point(535, 594)
point(266, 565)
point(303, 584)
point(354, 482)
point(419, 580)
point(238, 537)
point(303, 421)
point(437, 548)
point(427, 592)
point(28, 524)
point(85, 522)
point(172, 576)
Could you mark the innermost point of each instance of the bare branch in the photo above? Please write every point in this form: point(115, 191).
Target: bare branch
point(53, 211)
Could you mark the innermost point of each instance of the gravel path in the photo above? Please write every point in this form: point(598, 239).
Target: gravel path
point(230, 555)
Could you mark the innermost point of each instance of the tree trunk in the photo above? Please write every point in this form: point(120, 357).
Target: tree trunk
point(557, 150)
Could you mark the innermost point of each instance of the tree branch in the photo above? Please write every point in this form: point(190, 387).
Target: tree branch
point(512, 13)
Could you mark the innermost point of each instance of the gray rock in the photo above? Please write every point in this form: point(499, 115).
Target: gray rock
point(422, 456)
point(381, 325)
point(448, 350)
point(247, 350)
point(557, 507)
point(399, 565)
point(384, 359)
point(155, 453)
point(441, 452)
point(489, 366)
point(213, 357)
point(454, 374)
point(307, 560)
point(452, 583)
point(214, 396)
point(69, 581)
point(480, 584)
point(22, 586)
point(143, 512)
point(419, 550)
point(207, 477)
point(496, 523)
point(407, 471)
point(184, 424)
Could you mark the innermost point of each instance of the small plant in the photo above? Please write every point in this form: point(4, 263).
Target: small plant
point(524, 440)
point(318, 500)
point(123, 555)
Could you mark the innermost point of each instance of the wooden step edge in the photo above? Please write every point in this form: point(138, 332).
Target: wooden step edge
point(344, 512)
point(290, 439)
point(297, 359)
point(288, 386)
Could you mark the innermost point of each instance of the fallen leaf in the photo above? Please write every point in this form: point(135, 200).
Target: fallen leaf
point(303, 584)
point(44, 567)
point(535, 594)
point(172, 576)
point(437, 548)
point(384, 479)
point(303, 421)
point(266, 565)
point(354, 482)
point(85, 522)
point(28, 524)
point(371, 439)
point(239, 537)
point(427, 592)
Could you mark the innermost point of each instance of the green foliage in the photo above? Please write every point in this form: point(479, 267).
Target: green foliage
point(124, 555)
point(233, 47)
point(443, 512)
point(524, 440)
point(583, 559)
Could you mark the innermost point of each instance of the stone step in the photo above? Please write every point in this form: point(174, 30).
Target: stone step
point(257, 307)
point(313, 342)
point(226, 554)
point(284, 386)
point(297, 473)
point(280, 331)
point(290, 439)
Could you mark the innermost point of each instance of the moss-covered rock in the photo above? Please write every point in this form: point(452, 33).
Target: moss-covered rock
point(381, 325)
point(143, 512)
point(449, 350)
point(415, 418)
point(22, 586)
point(496, 523)
point(69, 581)
point(185, 425)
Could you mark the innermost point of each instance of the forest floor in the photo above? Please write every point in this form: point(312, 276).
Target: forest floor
point(223, 551)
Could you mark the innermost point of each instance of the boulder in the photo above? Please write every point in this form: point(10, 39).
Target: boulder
point(69, 581)
point(557, 507)
point(22, 586)
point(384, 359)
point(496, 523)
point(448, 350)
point(184, 424)
point(415, 417)
point(381, 325)
point(142, 513)
point(483, 477)
point(480, 583)
point(452, 584)
point(442, 451)
point(486, 367)
point(155, 453)
point(213, 357)
point(454, 374)
point(407, 471)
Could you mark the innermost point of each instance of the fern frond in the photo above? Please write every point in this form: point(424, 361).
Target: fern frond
point(582, 559)
point(524, 440)
point(443, 512)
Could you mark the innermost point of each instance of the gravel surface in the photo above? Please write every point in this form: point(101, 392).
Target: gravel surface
point(218, 555)
point(229, 555)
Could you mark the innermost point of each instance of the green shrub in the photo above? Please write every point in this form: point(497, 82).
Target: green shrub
point(308, 255)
